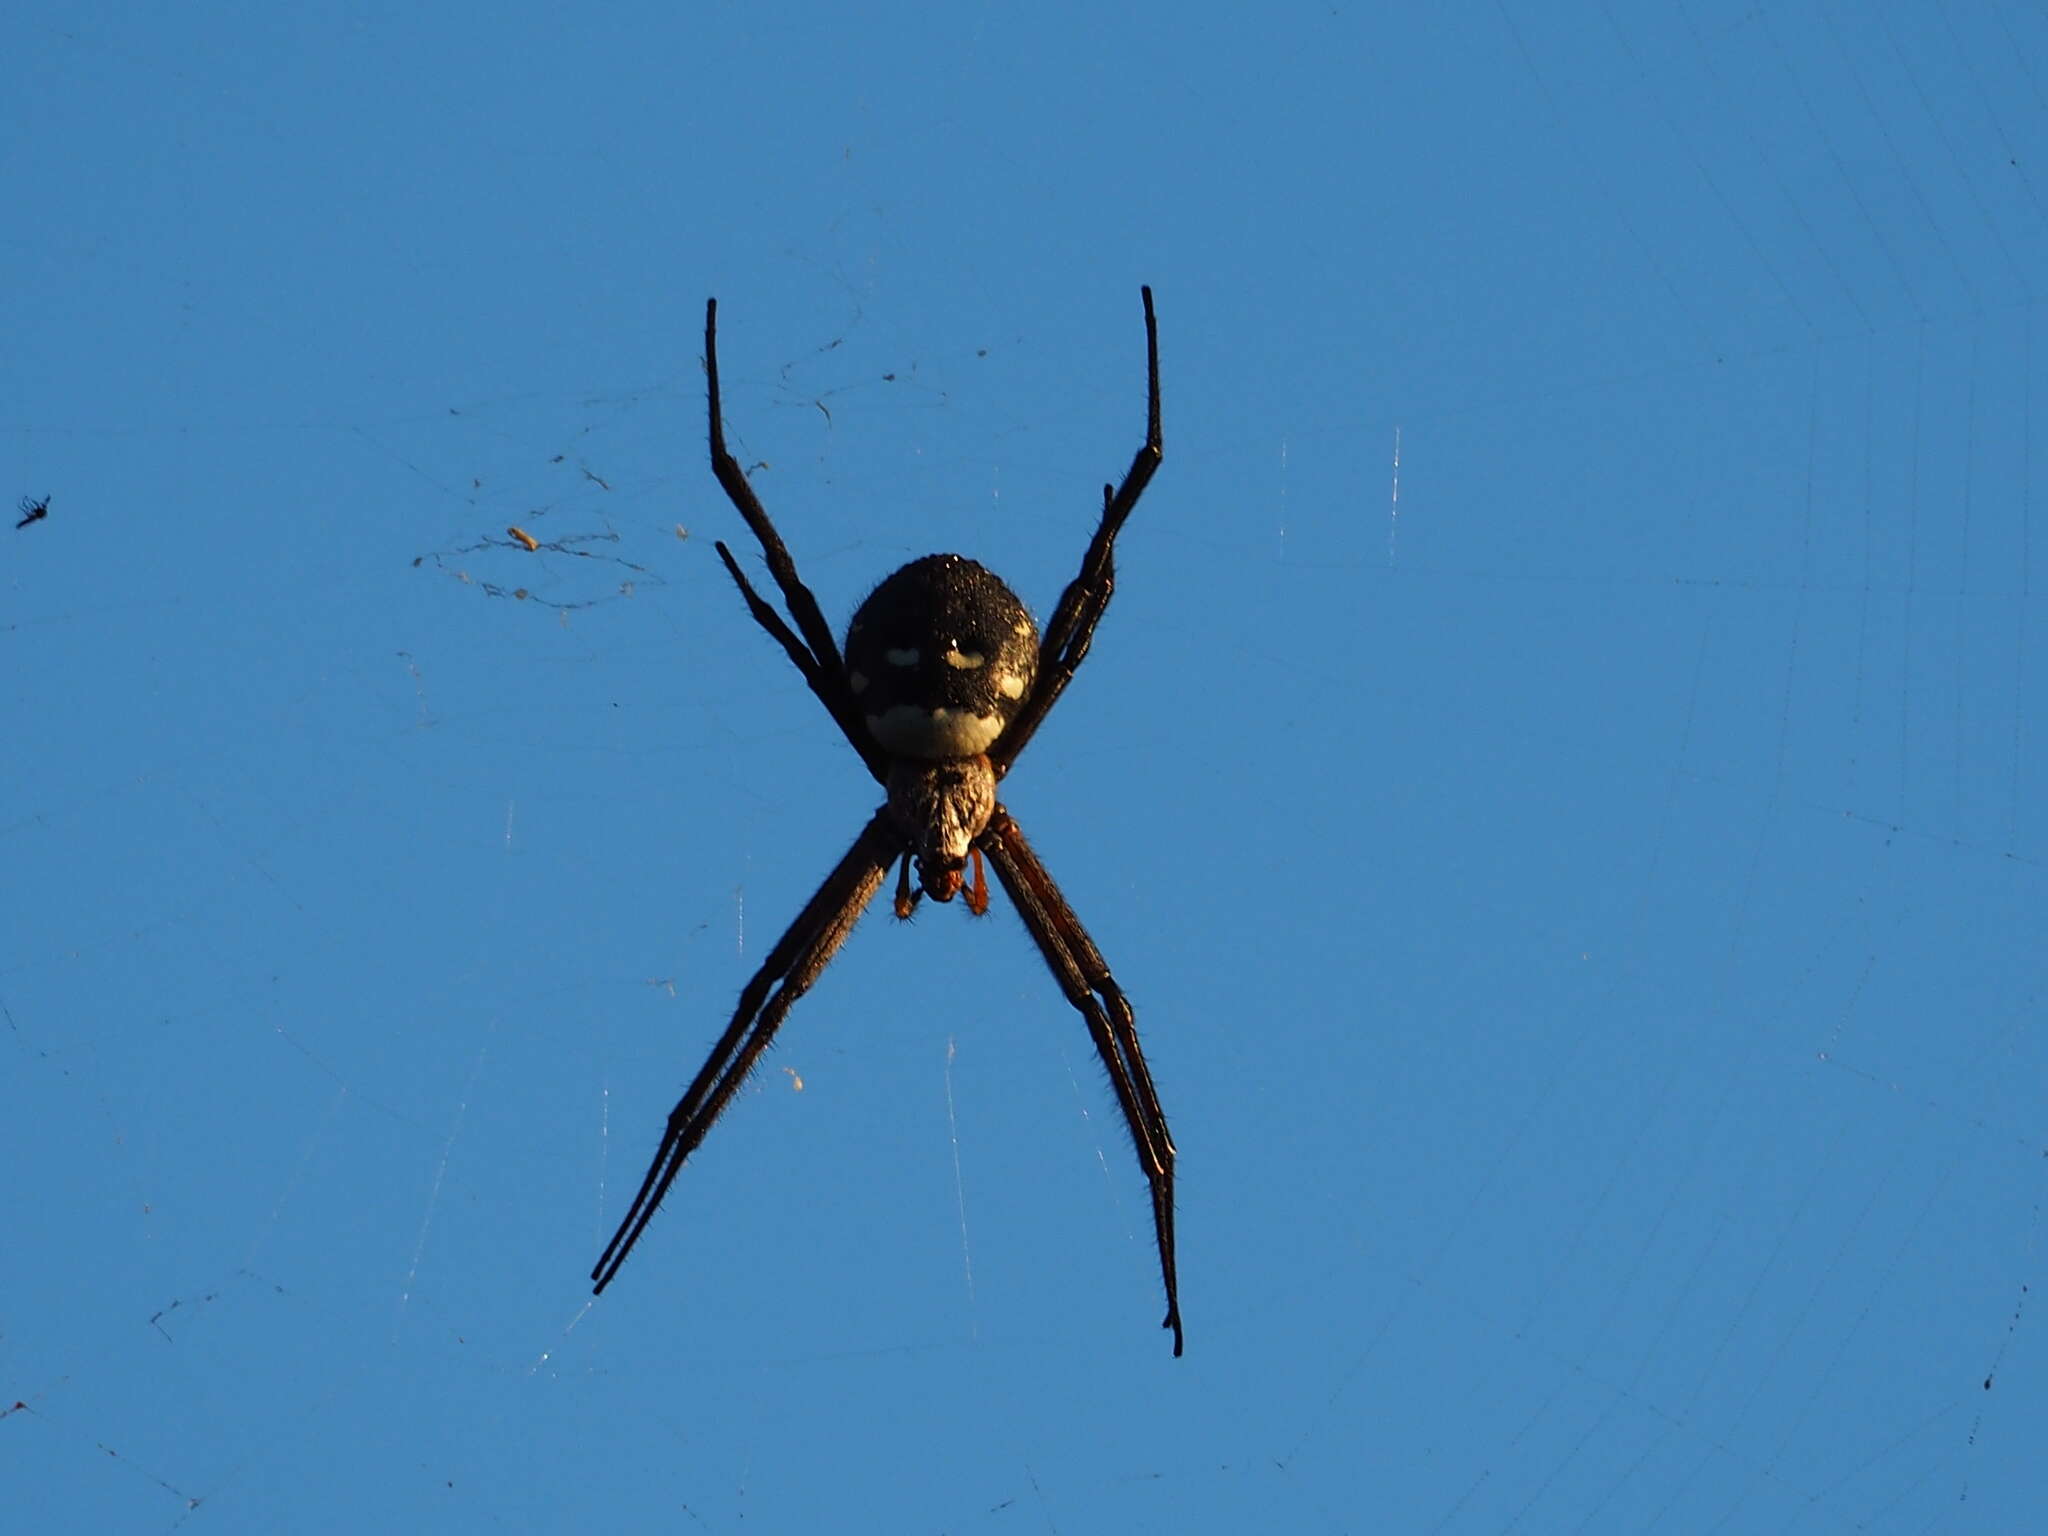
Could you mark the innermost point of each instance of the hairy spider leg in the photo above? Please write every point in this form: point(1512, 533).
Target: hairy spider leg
point(1084, 977)
point(797, 960)
point(816, 655)
point(1068, 633)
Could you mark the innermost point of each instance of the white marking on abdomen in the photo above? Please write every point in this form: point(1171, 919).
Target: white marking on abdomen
point(910, 730)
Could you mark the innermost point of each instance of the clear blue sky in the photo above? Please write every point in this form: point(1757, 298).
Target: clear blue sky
point(1581, 881)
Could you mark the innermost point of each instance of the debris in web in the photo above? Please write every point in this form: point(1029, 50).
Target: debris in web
point(485, 565)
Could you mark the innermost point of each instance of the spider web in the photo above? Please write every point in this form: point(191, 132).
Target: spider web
point(1560, 781)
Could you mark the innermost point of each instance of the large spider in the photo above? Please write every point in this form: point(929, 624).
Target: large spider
point(944, 681)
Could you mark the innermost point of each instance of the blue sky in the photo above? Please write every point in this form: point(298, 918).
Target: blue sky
point(1561, 779)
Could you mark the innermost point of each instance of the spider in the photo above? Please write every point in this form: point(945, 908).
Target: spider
point(944, 680)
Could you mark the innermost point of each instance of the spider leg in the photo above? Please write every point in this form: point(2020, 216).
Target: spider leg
point(796, 961)
point(1072, 626)
point(816, 654)
point(1084, 976)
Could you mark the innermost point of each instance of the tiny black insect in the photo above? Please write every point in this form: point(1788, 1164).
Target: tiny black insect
point(32, 510)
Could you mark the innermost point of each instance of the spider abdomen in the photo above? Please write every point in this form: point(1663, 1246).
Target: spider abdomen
point(939, 657)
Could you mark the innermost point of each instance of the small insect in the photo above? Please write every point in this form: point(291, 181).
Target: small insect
point(525, 538)
point(32, 510)
point(943, 680)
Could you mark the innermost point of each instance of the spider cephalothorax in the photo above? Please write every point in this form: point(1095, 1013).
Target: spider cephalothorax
point(941, 805)
point(944, 681)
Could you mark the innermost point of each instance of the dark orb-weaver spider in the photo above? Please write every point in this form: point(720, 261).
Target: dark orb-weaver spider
point(943, 682)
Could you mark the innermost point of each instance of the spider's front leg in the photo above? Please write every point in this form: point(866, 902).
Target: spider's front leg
point(815, 655)
point(1072, 625)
